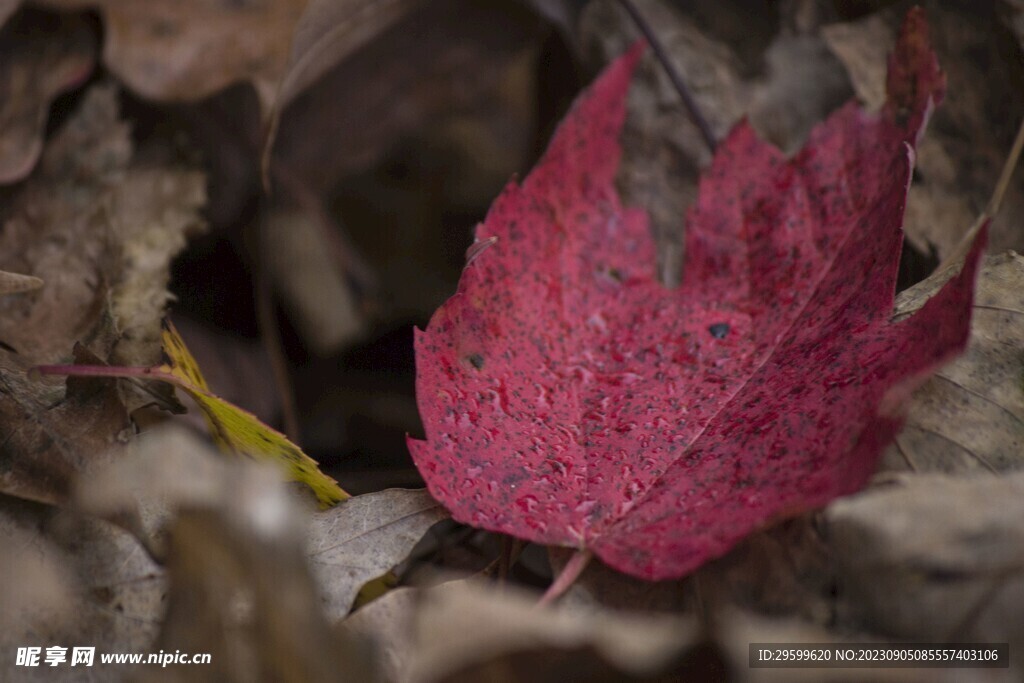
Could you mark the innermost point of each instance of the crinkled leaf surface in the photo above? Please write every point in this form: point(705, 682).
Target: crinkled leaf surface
point(569, 399)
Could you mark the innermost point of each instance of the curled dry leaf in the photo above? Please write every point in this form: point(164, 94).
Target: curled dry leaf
point(184, 50)
point(933, 557)
point(570, 399)
point(476, 60)
point(170, 470)
point(108, 592)
point(240, 588)
point(365, 537)
point(327, 33)
point(461, 631)
point(41, 56)
point(970, 415)
point(100, 229)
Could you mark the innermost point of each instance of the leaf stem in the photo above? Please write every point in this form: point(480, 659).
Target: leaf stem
point(673, 74)
point(105, 371)
point(1004, 178)
point(570, 572)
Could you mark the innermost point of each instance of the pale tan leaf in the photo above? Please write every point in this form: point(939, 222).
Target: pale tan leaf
point(365, 537)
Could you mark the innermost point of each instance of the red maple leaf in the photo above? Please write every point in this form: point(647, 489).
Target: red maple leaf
point(570, 399)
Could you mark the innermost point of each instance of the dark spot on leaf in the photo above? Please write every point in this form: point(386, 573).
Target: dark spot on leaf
point(719, 330)
point(476, 360)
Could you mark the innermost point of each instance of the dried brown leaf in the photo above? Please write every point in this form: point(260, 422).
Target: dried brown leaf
point(933, 557)
point(240, 587)
point(365, 537)
point(41, 56)
point(970, 415)
point(106, 590)
point(100, 229)
point(408, 80)
point(184, 50)
point(462, 631)
point(329, 31)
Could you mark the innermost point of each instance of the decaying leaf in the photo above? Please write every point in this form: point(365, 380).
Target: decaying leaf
point(364, 538)
point(235, 542)
point(970, 415)
point(240, 555)
point(51, 433)
point(933, 557)
point(461, 631)
point(569, 399)
point(327, 33)
point(108, 592)
point(41, 55)
point(184, 50)
point(99, 228)
point(241, 590)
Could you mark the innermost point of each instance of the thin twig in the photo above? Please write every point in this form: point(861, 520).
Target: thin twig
point(270, 335)
point(673, 74)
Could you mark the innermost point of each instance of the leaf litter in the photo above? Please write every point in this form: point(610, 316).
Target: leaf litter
point(240, 579)
point(230, 531)
point(98, 227)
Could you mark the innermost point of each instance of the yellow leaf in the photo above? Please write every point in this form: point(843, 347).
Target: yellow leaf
point(238, 431)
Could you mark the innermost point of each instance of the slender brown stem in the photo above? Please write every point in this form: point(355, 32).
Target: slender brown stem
point(105, 371)
point(673, 74)
point(1008, 168)
point(271, 337)
point(570, 572)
